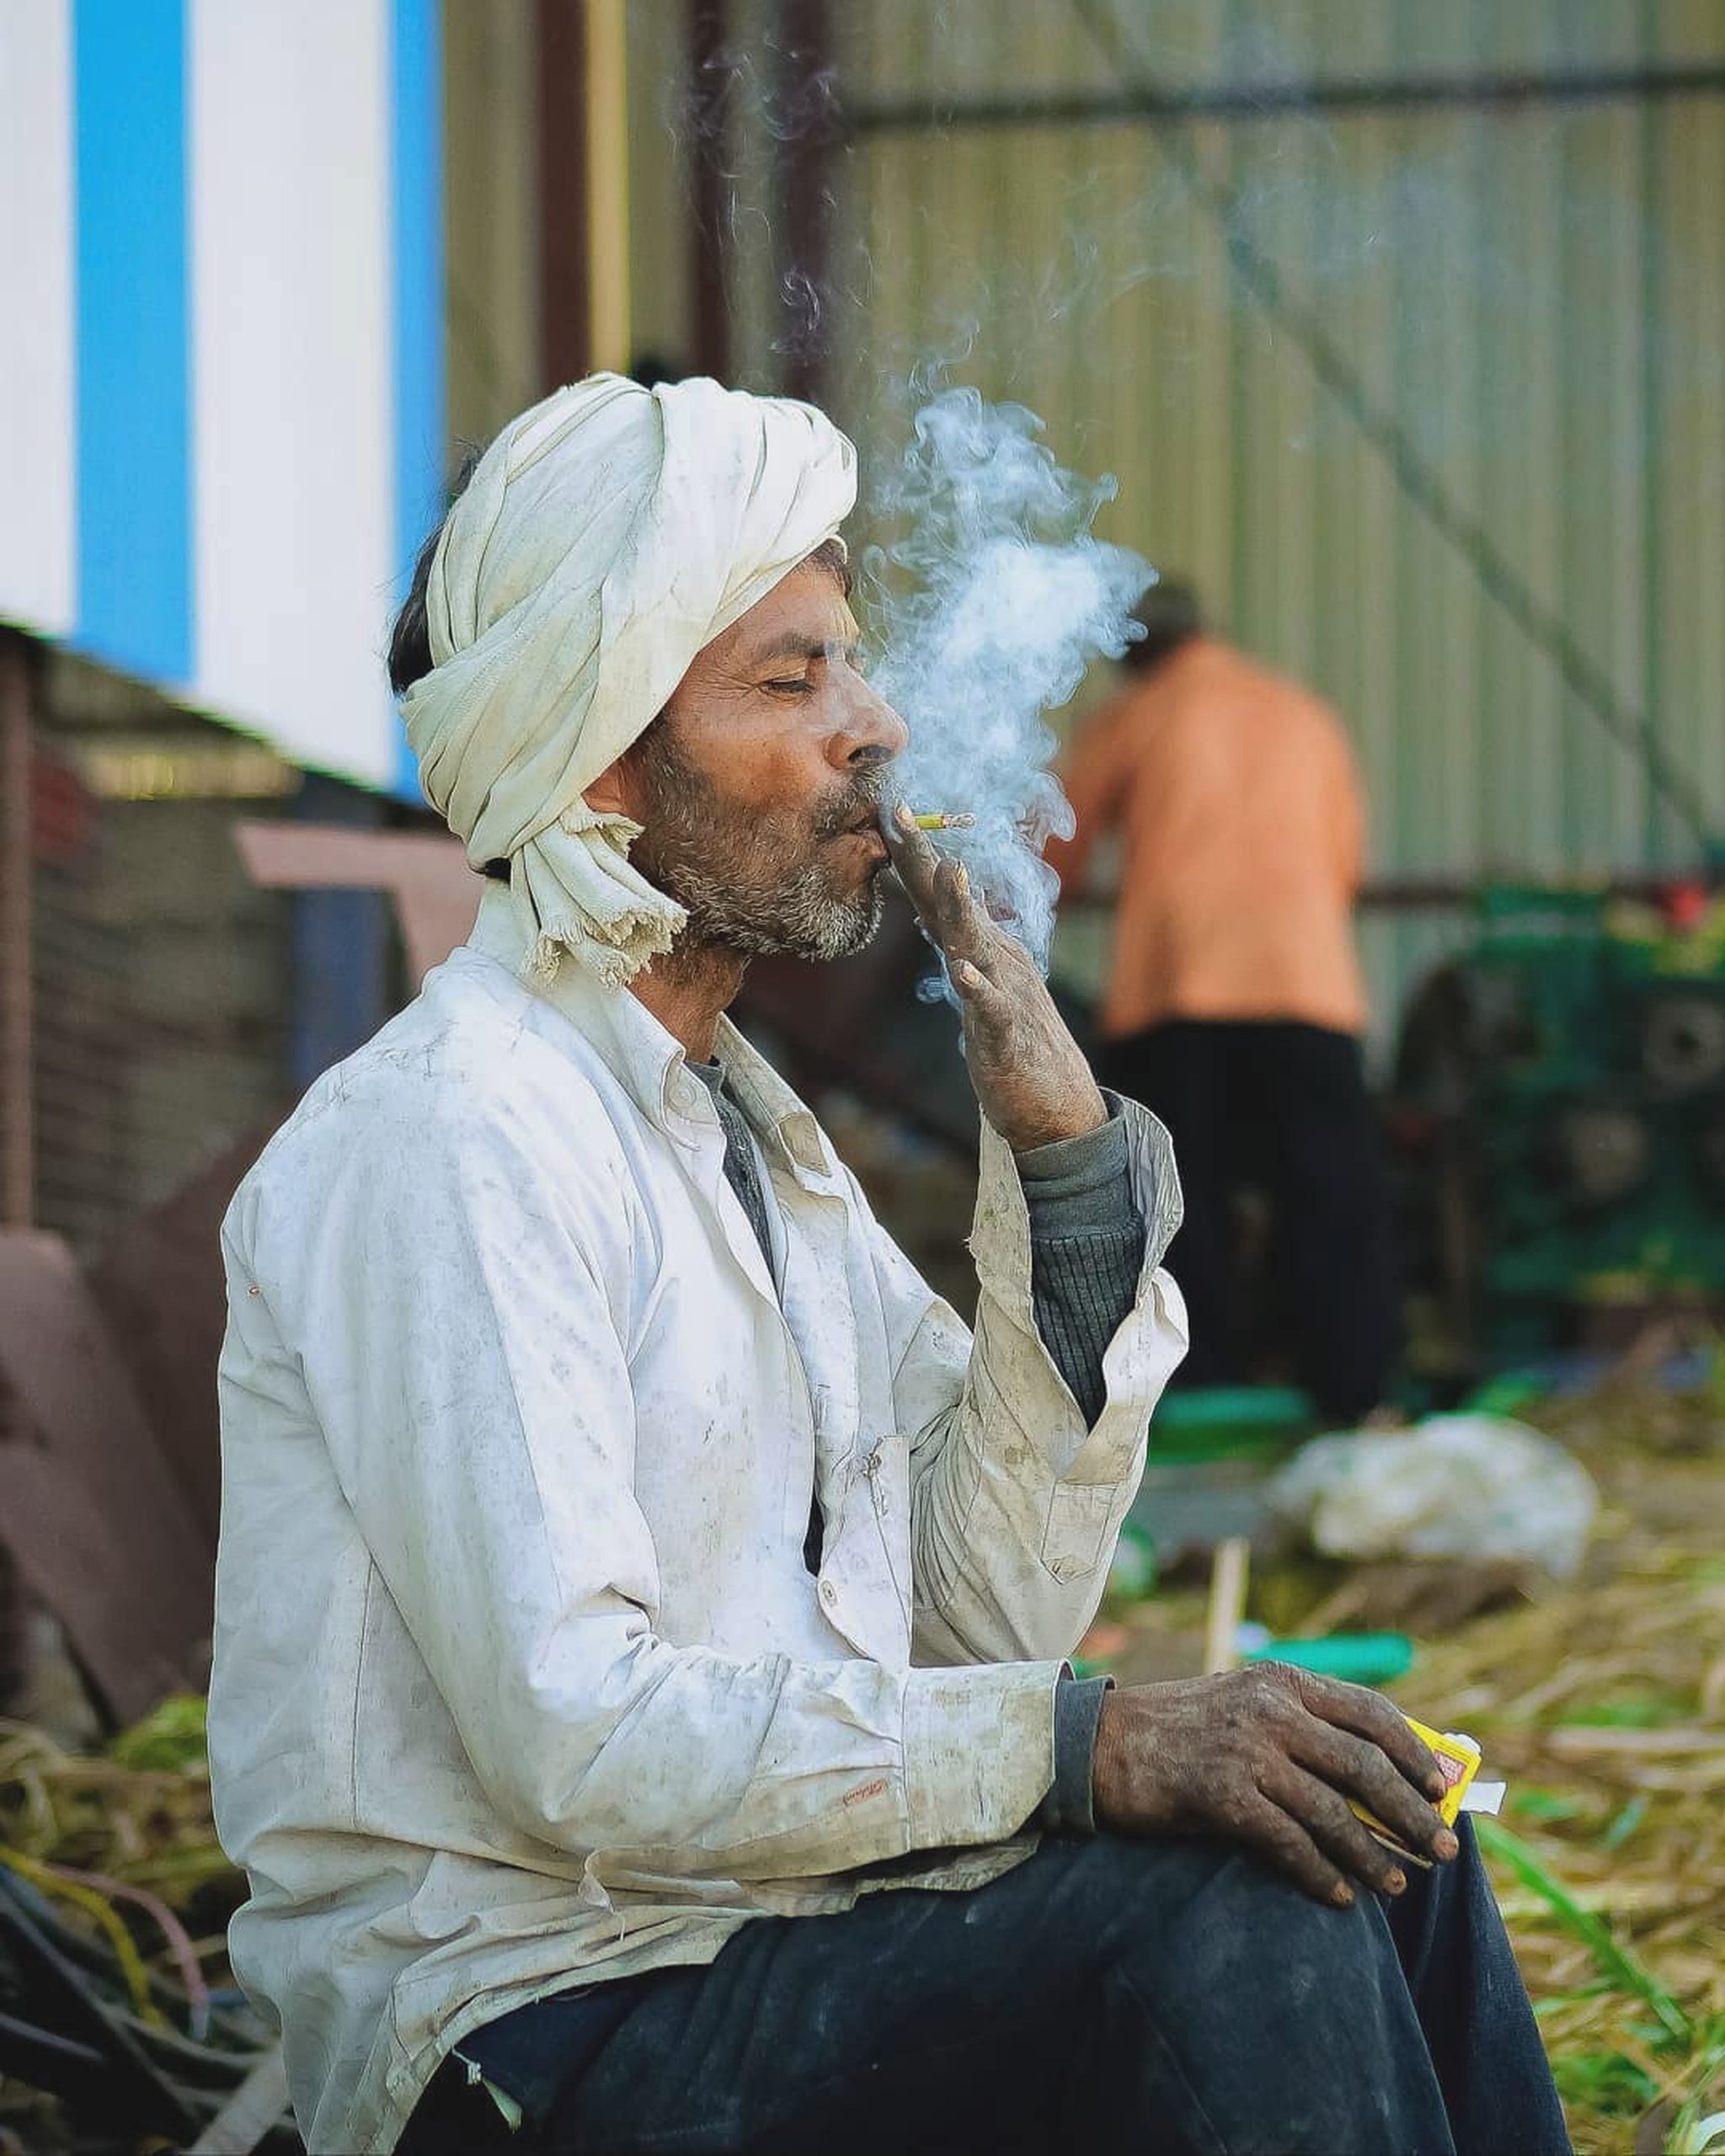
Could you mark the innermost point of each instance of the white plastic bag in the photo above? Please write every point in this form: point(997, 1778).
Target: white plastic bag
point(1454, 1486)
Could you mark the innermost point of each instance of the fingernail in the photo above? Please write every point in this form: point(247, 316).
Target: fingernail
point(965, 973)
point(961, 875)
point(1395, 1881)
point(903, 818)
point(1445, 1844)
point(1342, 1894)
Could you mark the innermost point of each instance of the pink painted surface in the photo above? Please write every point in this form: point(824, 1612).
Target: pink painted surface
point(436, 894)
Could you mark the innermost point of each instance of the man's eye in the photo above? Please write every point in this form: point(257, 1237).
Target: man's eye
point(800, 686)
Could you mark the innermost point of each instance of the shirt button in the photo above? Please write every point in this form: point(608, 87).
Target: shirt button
point(829, 1593)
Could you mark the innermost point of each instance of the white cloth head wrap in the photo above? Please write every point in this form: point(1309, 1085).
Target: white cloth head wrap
point(605, 538)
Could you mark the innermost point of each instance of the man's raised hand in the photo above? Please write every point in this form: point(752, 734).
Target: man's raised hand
point(1270, 1756)
point(1032, 1080)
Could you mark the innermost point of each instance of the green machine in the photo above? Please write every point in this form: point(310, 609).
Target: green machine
point(1559, 1106)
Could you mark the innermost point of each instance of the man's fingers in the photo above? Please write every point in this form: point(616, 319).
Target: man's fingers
point(1345, 1839)
point(979, 992)
point(1264, 1826)
point(1358, 1767)
point(1370, 1715)
point(938, 886)
point(1354, 1740)
point(916, 858)
point(963, 927)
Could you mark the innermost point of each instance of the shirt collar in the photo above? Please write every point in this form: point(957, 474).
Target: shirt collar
point(648, 1061)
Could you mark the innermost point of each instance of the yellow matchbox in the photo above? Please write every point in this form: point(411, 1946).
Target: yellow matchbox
point(1458, 1757)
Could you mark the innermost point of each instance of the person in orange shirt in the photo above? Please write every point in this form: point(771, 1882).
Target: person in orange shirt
point(1235, 1005)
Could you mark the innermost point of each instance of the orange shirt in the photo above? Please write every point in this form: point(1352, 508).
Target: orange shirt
point(1241, 824)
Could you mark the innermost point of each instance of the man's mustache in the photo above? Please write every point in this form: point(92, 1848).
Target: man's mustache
point(860, 804)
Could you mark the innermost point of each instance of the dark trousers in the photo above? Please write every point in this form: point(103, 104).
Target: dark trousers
point(1283, 1105)
point(1106, 1999)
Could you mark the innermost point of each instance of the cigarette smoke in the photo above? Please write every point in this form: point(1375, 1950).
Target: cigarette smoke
point(991, 603)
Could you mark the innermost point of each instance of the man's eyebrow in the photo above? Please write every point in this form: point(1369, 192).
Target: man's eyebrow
point(797, 646)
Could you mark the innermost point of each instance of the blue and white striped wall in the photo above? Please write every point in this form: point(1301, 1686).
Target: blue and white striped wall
point(222, 420)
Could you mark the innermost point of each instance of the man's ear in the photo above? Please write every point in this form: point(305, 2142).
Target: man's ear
point(610, 794)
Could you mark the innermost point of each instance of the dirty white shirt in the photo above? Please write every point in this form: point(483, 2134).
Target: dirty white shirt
point(520, 1676)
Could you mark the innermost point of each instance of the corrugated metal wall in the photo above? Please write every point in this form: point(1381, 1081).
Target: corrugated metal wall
point(1532, 291)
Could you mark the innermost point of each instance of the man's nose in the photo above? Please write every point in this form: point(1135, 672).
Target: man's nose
point(871, 731)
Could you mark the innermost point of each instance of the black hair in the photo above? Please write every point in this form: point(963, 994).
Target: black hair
point(1170, 617)
point(831, 556)
point(410, 637)
point(410, 658)
point(649, 368)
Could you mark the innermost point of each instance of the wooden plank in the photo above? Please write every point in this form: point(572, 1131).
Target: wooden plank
point(1227, 1605)
point(259, 2103)
point(95, 1520)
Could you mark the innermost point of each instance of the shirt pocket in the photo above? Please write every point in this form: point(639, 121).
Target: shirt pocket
point(1080, 1515)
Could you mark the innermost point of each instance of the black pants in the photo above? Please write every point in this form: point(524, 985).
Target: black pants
point(1285, 1104)
point(1107, 1998)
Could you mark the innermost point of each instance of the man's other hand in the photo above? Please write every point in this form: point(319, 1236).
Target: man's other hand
point(1270, 1756)
point(1032, 1080)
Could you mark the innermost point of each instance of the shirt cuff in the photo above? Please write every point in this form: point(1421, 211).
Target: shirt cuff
point(1082, 1184)
point(978, 1749)
point(1070, 1806)
point(1000, 1232)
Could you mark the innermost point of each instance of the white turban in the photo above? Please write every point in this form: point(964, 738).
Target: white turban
point(605, 538)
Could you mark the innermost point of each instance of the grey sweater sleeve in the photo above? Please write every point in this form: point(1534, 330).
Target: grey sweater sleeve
point(1068, 1807)
point(1087, 1249)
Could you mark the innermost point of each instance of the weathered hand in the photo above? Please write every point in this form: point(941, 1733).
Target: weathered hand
point(1032, 1080)
point(1270, 1756)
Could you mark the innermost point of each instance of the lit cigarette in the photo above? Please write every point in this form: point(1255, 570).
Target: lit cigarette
point(940, 821)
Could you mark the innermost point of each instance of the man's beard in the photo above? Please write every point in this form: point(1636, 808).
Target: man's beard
point(729, 871)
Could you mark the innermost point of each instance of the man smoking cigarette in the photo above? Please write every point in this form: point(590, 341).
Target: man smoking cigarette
point(640, 1699)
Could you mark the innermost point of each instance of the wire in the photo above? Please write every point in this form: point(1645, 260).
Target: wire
point(97, 1907)
point(180, 1945)
point(1419, 482)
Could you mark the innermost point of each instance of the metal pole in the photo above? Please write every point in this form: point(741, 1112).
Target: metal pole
point(565, 222)
point(709, 81)
point(17, 1119)
point(810, 133)
point(17, 1157)
point(1318, 98)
